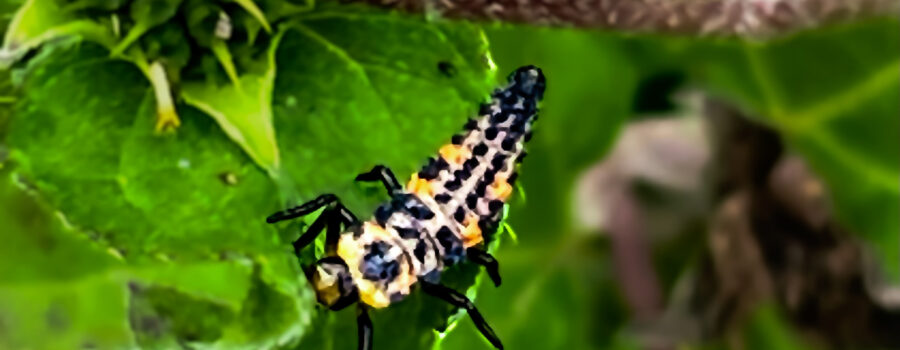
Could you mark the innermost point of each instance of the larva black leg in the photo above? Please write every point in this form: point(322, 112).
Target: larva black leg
point(344, 215)
point(313, 231)
point(337, 216)
point(303, 209)
point(459, 300)
point(330, 220)
point(363, 328)
point(383, 174)
point(487, 260)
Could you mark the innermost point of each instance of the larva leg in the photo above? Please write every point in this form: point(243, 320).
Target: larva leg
point(344, 215)
point(337, 216)
point(303, 209)
point(313, 231)
point(330, 222)
point(330, 219)
point(383, 174)
point(459, 300)
point(487, 260)
point(363, 328)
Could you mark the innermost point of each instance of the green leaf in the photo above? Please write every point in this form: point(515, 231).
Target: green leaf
point(8, 10)
point(47, 286)
point(185, 211)
point(68, 312)
point(268, 318)
point(342, 99)
point(833, 95)
point(107, 5)
point(58, 289)
point(767, 329)
point(182, 206)
point(8, 96)
point(243, 108)
point(254, 11)
point(220, 50)
point(558, 292)
point(38, 21)
point(32, 20)
point(278, 9)
point(39, 245)
point(146, 14)
point(343, 103)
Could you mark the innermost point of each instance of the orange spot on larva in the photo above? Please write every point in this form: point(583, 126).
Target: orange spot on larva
point(501, 189)
point(471, 233)
point(455, 154)
point(419, 186)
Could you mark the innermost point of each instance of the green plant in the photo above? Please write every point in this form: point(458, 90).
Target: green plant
point(120, 235)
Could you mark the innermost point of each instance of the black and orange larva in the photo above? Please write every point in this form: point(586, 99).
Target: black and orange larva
point(438, 219)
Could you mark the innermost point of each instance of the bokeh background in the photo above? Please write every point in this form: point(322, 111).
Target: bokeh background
point(692, 185)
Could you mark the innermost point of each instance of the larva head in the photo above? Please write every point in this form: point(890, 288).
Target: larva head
point(333, 283)
point(528, 81)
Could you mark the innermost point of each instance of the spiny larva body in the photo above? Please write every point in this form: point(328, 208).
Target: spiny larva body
point(440, 217)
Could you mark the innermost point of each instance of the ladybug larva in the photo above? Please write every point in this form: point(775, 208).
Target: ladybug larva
point(438, 219)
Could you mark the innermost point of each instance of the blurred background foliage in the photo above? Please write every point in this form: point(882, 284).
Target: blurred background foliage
point(703, 233)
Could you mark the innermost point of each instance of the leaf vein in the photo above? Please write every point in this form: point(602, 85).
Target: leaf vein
point(832, 107)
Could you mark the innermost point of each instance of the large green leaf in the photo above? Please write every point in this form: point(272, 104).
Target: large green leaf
point(185, 211)
point(38, 21)
point(60, 290)
point(834, 95)
point(345, 102)
point(558, 290)
point(48, 281)
point(39, 245)
point(350, 101)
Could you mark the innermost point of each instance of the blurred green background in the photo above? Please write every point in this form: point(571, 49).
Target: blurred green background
point(680, 192)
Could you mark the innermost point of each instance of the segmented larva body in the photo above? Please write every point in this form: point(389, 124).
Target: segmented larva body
point(450, 205)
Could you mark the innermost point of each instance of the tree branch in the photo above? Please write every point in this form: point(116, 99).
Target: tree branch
point(746, 18)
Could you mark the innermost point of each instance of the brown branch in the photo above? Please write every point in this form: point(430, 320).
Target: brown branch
point(749, 18)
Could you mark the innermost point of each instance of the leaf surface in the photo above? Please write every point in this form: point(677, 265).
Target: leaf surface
point(833, 95)
point(185, 211)
point(345, 102)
